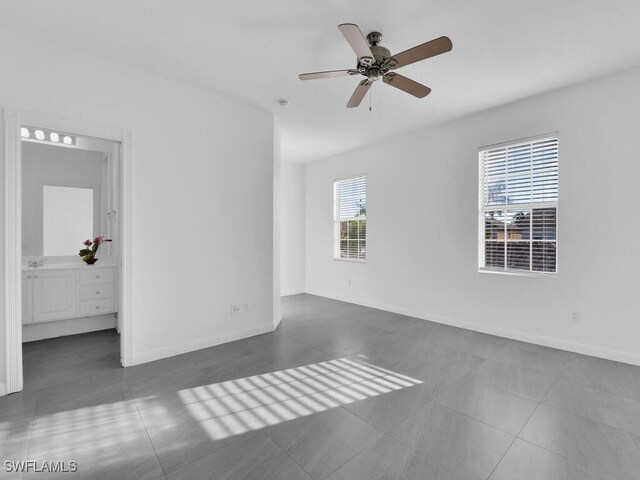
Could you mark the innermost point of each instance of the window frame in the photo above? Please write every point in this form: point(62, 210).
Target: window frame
point(336, 219)
point(529, 206)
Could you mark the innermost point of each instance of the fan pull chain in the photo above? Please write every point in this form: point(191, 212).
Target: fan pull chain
point(370, 97)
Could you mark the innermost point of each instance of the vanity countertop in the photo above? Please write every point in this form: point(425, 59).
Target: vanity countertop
point(69, 266)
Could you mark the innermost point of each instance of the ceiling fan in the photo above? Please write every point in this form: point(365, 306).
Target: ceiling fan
point(376, 61)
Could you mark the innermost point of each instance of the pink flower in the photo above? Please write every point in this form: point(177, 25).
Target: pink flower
point(87, 243)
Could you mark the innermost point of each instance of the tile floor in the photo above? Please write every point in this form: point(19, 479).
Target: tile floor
point(337, 392)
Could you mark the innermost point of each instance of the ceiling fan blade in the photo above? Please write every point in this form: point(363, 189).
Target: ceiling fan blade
point(406, 85)
point(360, 92)
point(421, 52)
point(328, 74)
point(354, 36)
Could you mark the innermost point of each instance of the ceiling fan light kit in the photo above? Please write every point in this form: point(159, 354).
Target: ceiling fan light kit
point(375, 62)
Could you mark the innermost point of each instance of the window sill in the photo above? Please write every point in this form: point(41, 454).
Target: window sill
point(350, 260)
point(519, 273)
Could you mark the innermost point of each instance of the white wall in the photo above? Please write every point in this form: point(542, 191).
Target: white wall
point(202, 174)
point(422, 206)
point(292, 238)
point(59, 166)
point(277, 208)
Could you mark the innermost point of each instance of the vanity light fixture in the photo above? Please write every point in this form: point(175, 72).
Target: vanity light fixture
point(47, 136)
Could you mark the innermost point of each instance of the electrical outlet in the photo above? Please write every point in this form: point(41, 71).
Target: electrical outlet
point(575, 317)
point(245, 307)
point(235, 309)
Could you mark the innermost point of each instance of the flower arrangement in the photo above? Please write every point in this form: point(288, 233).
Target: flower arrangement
point(88, 253)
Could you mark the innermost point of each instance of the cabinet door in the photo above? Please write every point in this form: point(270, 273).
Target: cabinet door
point(27, 298)
point(55, 295)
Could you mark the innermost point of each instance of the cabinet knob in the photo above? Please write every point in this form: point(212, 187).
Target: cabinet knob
point(97, 276)
point(97, 307)
point(97, 292)
point(36, 276)
point(28, 276)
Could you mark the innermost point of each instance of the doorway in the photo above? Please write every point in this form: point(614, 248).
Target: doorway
point(49, 290)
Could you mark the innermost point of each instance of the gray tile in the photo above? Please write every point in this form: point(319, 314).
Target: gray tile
point(80, 396)
point(372, 354)
point(525, 461)
point(191, 376)
point(531, 357)
point(286, 352)
point(475, 343)
point(361, 331)
point(14, 441)
point(512, 379)
point(585, 441)
point(396, 344)
point(107, 440)
point(453, 441)
point(448, 359)
point(179, 434)
point(613, 377)
point(32, 364)
point(619, 412)
point(267, 342)
point(434, 380)
point(323, 442)
point(255, 457)
point(384, 411)
point(149, 372)
point(426, 330)
point(500, 409)
point(325, 340)
point(185, 365)
point(18, 405)
point(387, 459)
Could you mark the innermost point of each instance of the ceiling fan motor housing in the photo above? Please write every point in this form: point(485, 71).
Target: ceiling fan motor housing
point(378, 68)
point(380, 52)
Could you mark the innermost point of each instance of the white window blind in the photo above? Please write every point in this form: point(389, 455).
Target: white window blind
point(518, 207)
point(350, 218)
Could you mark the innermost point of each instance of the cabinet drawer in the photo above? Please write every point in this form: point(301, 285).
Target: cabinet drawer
point(97, 307)
point(97, 291)
point(95, 275)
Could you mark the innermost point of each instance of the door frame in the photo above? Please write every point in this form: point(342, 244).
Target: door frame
point(13, 120)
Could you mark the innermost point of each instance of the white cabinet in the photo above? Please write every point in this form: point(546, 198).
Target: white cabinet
point(55, 295)
point(64, 293)
point(97, 291)
point(27, 298)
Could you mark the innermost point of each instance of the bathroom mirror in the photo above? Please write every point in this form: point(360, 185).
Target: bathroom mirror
point(67, 219)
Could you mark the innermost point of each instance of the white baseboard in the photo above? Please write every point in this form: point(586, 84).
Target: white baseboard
point(3, 389)
point(286, 293)
point(199, 344)
point(585, 349)
point(277, 320)
point(73, 326)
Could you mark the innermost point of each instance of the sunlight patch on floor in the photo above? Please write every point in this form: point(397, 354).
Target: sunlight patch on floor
point(251, 403)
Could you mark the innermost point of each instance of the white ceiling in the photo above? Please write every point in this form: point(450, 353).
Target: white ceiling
point(253, 50)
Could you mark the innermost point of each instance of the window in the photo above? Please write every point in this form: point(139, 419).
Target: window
point(350, 218)
point(518, 207)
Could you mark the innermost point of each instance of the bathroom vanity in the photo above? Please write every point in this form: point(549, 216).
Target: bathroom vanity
point(61, 292)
